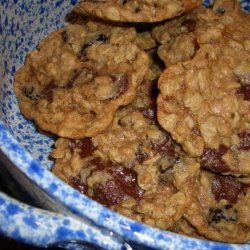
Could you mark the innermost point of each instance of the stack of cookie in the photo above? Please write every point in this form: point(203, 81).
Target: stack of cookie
point(150, 103)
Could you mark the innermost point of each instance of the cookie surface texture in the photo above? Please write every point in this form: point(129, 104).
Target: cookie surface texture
point(126, 167)
point(135, 11)
point(177, 39)
point(220, 208)
point(204, 102)
point(77, 78)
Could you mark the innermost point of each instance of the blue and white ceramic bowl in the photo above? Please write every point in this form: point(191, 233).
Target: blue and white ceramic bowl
point(70, 220)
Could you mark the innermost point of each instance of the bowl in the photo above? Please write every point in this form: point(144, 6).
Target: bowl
point(65, 218)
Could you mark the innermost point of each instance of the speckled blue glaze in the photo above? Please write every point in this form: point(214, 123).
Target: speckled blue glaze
point(22, 25)
point(42, 228)
point(207, 2)
point(245, 4)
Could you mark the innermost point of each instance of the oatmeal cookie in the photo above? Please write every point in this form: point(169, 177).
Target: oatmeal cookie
point(135, 11)
point(137, 191)
point(183, 227)
point(130, 166)
point(204, 102)
point(201, 107)
point(181, 37)
point(221, 208)
point(77, 78)
point(160, 209)
point(133, 136)
point(139, 33)
point(176, 37)
point(170, 197)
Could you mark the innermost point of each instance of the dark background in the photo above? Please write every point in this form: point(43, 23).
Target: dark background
point(7, 243)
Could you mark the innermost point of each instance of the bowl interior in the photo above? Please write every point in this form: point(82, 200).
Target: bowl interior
point(22, 25)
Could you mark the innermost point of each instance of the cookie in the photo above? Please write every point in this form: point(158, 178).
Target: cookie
point(135, 189)
point(129, 167)
point(143, 38)
point(163, 206)
point(220, 208)
point(133, 136)
point(183, 227)
point(204, 102)
point(135, 11)
point(77, 78)
point(181, 37)
point(160, 209)
point(176, 38)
